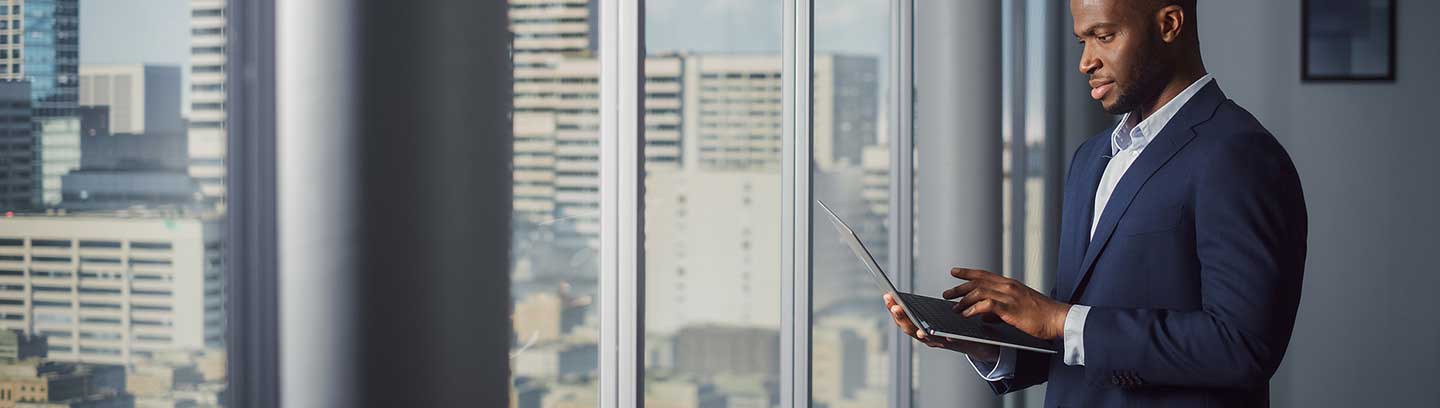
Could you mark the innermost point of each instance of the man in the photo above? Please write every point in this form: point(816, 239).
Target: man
point(1182, 238)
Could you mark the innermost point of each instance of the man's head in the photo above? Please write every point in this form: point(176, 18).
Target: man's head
point(1133, 48)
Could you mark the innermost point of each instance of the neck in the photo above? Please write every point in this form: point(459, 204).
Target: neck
point(1182, 79)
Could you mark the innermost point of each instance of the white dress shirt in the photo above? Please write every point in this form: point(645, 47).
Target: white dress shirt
point(1126, 143)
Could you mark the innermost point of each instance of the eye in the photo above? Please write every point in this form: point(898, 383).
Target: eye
point(1106, 37)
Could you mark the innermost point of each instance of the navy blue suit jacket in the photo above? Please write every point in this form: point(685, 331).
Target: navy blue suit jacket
point(1194, 271)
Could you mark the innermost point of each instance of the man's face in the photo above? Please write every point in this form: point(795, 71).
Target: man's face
point(1122, 55)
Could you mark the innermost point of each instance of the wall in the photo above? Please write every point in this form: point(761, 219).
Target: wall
point(1367, 329)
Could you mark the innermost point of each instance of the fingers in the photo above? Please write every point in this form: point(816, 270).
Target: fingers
point(898, 313)
point(960, 290)
point(972, 274)
point(986, 306)
point(977, 295)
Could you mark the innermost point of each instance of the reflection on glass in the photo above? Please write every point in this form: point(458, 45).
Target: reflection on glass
point(112, 201)
point(554, 352)
point(849, 346)
point(713, 103)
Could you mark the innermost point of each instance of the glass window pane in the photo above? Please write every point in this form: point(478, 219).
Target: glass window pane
point(852, 176)
point(555, 259)
point(111, 239)
point(712, 205)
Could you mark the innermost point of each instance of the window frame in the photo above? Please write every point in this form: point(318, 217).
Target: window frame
point(252, 308)
point(622, 280)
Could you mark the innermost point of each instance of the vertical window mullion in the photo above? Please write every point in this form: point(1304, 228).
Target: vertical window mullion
point(901, 188)
point(796, 166)
point(621, 203)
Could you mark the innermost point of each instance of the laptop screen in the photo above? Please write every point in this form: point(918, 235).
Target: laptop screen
point(858, 248)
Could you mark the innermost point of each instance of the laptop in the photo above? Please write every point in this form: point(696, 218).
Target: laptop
point(934, 315)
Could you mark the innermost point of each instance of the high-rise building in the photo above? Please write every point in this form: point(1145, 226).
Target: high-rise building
point(19, 178)
point(557, 138)
point(142, 99)
point(112, 290)
point(40, 44)
point(547, 31)
point(712, 249)
point(732, 110)
point(207, 123)
point(847, 108)
point(59, 141)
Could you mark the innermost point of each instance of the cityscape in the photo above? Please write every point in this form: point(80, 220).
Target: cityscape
point(712, 231)
point(112, 193)
point(712, 150)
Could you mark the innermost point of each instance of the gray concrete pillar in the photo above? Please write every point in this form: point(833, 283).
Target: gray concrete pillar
point(958, 178)
point(394, 142)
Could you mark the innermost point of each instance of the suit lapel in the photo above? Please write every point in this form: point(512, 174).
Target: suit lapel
point(1082, 210)
point(1171, 139)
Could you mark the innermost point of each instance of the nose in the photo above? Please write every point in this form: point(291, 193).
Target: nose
point(1088, 63)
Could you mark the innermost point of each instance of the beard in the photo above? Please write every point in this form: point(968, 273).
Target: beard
point(1148, 80)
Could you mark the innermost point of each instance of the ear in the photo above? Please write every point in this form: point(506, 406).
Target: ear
point(1171, 21)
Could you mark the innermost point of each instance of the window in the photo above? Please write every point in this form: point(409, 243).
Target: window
point(556, 222)
point(849, 335)
point(150, 245)
point(713, 283)
point(81, 251)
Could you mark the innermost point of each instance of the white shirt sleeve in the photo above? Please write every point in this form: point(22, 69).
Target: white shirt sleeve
point(1075, 335)
point(999, 370)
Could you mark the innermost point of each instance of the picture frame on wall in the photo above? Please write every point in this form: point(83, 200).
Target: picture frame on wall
point(1347, 40)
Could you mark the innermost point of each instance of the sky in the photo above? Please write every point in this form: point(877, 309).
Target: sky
point(137, 32)
point(850, 26)
point(158, 31)
point(134, 31)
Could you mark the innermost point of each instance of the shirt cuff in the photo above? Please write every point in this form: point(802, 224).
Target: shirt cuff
point(1075, 335)
point(1001, 369)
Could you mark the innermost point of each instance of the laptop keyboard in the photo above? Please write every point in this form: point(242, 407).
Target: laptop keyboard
point(940, 316)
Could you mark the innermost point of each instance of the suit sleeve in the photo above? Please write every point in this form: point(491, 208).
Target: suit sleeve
point(1250, 228)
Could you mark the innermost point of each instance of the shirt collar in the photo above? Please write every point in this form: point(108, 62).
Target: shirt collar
point(1140, 135)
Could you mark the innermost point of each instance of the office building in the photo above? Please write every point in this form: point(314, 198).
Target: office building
point(708, 350)
point(112, 290)
point(18, 178)
point(51, 384)
point(850, 360)
point(547, 31)
point(568, 360)
point(712, 249)
point(847, 107)
point(16, 345)
point(95, 120)
point(59, 141)
point(142, 99)
point(207, 121)
point(125, 170)
point(557, 139)
point(41, 44)
point(710, 112)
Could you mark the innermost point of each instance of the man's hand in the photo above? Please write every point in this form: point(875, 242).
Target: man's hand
point(1011, 301)
point(979, 351)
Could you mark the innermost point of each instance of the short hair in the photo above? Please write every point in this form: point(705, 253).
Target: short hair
point(1188, 5)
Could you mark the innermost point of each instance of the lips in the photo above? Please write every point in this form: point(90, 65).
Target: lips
point(1098, 91)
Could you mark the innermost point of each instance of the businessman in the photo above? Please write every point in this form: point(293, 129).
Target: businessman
point(1182, 238)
